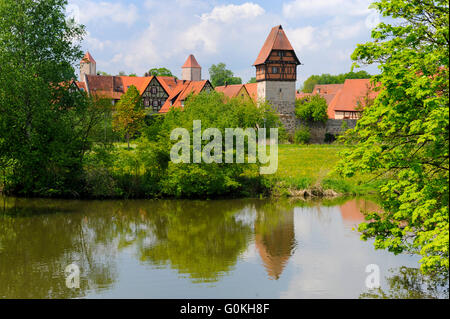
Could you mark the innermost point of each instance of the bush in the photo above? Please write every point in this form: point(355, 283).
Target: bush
point(312, 109)
point(302, 136)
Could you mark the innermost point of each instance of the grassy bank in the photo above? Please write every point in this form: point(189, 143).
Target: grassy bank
point(310, 170)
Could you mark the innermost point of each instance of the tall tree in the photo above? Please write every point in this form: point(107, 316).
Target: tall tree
point(130, 114)
point(220, 75)
point(404, 134)
point(159, 72)
point(42, 115)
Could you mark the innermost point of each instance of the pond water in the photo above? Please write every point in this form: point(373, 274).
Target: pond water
point(194, 249)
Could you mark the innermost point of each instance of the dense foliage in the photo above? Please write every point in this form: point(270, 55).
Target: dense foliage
point(220, 76)
point(45, 122)
point(312, 108)
point(311, 82)
point(404, 134)
point(159, 72)
point(129, 114)
point(302, 135)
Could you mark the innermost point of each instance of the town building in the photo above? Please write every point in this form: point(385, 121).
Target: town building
point(345, 101)
point(276, 76)
point(159, 93)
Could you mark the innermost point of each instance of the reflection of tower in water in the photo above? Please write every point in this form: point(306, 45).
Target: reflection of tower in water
point(275, 240)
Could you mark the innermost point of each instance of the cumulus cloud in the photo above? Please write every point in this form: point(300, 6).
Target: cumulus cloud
point(101, 11)
point(231, 13)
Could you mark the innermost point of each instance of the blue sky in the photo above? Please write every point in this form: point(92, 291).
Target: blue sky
point(135, 36)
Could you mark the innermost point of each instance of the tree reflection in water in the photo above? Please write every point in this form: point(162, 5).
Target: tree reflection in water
point(410, 283)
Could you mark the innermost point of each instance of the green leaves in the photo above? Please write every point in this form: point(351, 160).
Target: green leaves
point(404, 135)
point(312, 109)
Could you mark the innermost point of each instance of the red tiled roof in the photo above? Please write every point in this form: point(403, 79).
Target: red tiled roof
point(114, 86)
point(252, 89)
point(181, 92)
point(229, 90)
point(191, 62)
point(352, 93)
point(327, 88)
point(88, 58)
point(81, 85)
point(277, 40)
point(302, 95)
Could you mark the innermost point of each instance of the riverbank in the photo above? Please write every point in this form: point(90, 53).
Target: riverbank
point(304, 171)
point(310, 171)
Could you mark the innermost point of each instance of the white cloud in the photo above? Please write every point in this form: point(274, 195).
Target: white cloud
point(231, 13)
point(94, 11)
point(310, 8)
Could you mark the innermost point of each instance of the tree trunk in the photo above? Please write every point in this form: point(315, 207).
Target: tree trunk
point(128, 140)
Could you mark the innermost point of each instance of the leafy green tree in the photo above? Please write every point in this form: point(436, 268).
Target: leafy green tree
point(130, 114)
point(122, 73)
point(313, 80)
point(159, 72)
point(103, 73)
point(219, 75)
point(404, 134)
point(44, 121)
point(312, 109)
point(252, 80)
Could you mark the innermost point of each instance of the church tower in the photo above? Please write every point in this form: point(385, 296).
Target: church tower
point(88, 66)
point(191, 70)
point(276, 74)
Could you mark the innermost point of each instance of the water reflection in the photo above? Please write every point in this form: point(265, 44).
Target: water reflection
point(185, 244)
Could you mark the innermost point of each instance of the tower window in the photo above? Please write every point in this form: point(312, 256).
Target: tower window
point(280, 53)
point(274, 69)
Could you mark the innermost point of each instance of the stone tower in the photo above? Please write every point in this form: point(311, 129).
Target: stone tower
point(276, 74)
point(88, 66)
point(191, 70)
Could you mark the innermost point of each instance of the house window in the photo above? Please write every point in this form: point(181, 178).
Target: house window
point(274, 69)
point(153, 90)
point(280, 53)
point(146, 102)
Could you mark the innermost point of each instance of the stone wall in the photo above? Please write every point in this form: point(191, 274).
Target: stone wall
point(319, 130)
point(281, 95)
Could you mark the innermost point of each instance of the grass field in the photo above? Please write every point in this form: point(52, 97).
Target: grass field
point(313, 166)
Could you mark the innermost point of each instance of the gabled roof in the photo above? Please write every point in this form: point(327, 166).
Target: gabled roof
point(181, 92)
point(327, 88)
point(352, 94)
point(277, 40)
point(191, 62)
point(88, 58)
point(229, 90)
point(114, 86)
point(252, 89)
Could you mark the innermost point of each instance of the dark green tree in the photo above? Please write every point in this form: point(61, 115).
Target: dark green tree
point(219, 75)
point(159, 72)
point(44, 120)
point(312, 109)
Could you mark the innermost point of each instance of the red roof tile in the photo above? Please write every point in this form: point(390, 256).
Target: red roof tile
point(88, 58)
point(351, 95)
point(252, 89)
point(277, 40)
point(191, 62)
point(229, 90)
point(181, 92)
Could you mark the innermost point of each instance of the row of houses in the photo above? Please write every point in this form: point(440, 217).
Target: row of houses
point(345, 101)
point(276, 74)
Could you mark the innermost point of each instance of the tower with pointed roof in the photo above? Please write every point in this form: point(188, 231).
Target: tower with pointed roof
point(88, 66)
point(276, 75)
point(191, 70)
